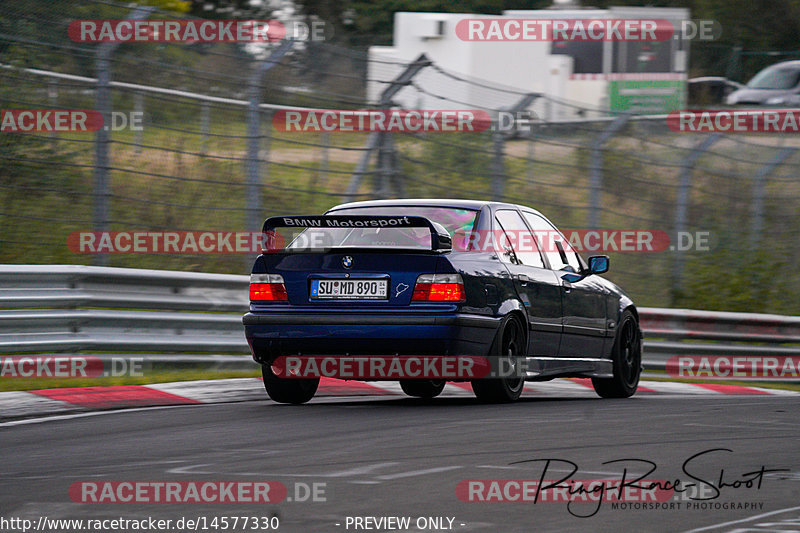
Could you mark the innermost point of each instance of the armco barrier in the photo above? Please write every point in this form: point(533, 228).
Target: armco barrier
point(673, 332)
point(73, 308)
point(190, 316)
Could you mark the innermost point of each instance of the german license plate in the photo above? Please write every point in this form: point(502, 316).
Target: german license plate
point(349, 289)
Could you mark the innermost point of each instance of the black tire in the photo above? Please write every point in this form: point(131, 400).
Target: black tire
point(510, 345)
point(422, 388)
point(626, 356)
point(288, 390)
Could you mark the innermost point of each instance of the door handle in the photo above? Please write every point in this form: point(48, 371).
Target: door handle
point(567, 286)
point(522, 278)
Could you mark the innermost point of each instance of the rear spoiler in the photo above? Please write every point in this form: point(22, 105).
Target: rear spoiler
point(440, 238)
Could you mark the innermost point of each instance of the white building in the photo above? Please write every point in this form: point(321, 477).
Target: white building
point(641, 76)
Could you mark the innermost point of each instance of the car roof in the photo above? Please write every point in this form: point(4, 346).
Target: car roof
point(794, 63)
point(435, 202)
point(703, 79)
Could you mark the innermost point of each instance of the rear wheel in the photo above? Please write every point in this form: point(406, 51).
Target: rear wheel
point(288, 390)
point(422, 388)
point(626, 356)
point(509, 350)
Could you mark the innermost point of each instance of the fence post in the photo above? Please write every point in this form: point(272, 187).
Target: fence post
point(52, 96)
point(596, 167)
point(266, 144)
point(253, 190)
point(325, 140)
point(361, 167)
point(254, 216)
point(379, 189)
point(734, 67)
point(205, 124)
point(681, 206)
point(101, 158)
point(395, 179)
point(757, 223)
point(531, 155)
point(498, 166)
point(138, 107)
point(386, 182)
point(375, 140)
point(103, 137)
point(499, 136)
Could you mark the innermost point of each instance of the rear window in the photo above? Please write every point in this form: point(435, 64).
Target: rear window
point(454, 220)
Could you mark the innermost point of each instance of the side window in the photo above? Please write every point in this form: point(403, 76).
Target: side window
point(559, 252)
point(519, 237)
point(571, 255)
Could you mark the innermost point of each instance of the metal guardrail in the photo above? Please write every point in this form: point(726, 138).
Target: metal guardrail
point(188, 316)
point(73, 308)
point(674, 332)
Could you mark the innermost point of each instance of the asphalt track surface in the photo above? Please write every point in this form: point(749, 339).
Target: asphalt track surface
point(390, 456)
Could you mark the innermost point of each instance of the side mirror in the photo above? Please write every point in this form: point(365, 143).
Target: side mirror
point(598, 264)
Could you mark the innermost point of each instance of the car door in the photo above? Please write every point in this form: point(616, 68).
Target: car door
point(537, 286)
point(583, 302)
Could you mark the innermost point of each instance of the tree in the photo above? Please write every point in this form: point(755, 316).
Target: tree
point(228, 9)
point(755, 25)
point(365, 23)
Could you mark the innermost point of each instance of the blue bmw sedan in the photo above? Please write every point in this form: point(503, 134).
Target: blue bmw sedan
point(408, 290)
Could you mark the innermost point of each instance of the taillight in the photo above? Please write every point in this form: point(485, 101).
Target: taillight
point(267, 288)
point(439, 288)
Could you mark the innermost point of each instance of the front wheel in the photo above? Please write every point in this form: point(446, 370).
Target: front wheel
point(626, 357)
point(288, 390)
point(509, 349)
point(422, 388)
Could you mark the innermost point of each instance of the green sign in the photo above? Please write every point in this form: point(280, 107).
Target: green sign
point(647, 96)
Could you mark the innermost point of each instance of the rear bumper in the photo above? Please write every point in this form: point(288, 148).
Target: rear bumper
point(272, 334)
